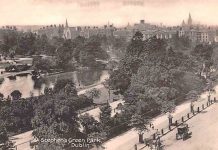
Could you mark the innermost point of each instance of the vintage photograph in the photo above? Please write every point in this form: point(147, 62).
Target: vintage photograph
point(108, 75)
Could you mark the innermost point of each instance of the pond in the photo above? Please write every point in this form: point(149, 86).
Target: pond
point(28, 87)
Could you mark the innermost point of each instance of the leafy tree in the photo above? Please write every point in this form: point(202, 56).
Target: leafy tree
point(94, 93)
point(65, 84)
point(43, 64)
point(105, 114)
point(55, 117)
point(192, 95)
point(5, 143)
point(92, 51)
point(3, 134)
point(136, 46)
point(120, 79)
point(17, 115)
point(16, 95)
point(1, 96)
point(139, 122)
point(204, 55)
point(100, 138)
point(64, 56)
point(90, 125)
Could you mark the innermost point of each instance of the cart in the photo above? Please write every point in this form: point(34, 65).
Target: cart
point(183, 132)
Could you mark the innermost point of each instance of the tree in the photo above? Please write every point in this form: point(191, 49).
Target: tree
point(139, 123)
point(16, 95)
point(5, 143)
point(1, 96)
point(105, 114)
point(192, 95)
point(92, 51)
point(204, 55)
point(90, 125)
point(94, 93)
point(64, 55)
point(3, 135)
point(65, 84)
point(44, 64)
point(55, 117)
point(136, 46)
point(100, 138)
point(120, 79)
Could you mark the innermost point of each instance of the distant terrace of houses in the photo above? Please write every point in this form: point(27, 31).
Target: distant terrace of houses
point(195, 32)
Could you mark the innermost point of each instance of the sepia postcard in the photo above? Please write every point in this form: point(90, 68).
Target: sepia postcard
point(108, 74)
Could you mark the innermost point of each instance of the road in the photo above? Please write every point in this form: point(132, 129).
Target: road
point(127, 140)
point(204, 133)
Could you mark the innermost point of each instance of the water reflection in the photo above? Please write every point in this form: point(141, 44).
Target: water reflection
point(28, 87)
point(24, 84)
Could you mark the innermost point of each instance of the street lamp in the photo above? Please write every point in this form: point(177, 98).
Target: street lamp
point(192, 107)
point(170, 117)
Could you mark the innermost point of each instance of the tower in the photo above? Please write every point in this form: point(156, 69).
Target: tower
point(66, 25)
point(67, 32)
point(183, 23)
point(189, 20)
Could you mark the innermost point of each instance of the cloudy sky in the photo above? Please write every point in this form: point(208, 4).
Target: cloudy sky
point(99, 12)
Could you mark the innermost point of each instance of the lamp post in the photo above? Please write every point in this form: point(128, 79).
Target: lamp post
point(170, 117)
point(192, 107)
point(209, 94)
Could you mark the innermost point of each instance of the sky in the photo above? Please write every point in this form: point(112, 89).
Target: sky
point(100, 12)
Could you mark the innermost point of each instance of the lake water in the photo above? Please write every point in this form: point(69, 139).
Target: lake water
point(29, 87)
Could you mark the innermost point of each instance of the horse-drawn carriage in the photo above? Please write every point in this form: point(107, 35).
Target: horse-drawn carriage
point(154, 144)
point(183, 132)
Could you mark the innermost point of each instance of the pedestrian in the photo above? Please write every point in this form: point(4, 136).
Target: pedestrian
point(152, 126)
point(157, 134)
point(135, 147)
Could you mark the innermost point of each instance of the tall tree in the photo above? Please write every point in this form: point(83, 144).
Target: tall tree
point(105, 115)
point(139, 122)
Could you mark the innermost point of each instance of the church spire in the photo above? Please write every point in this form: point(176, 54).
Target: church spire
point(183, 23)
point(66, 24)
point(189, 20)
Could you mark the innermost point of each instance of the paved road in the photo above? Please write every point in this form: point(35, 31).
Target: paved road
point(204, 128)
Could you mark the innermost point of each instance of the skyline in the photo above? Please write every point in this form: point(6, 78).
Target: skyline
point(100, 12)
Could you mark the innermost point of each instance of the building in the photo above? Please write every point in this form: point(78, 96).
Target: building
point(196, 33)
point(51, 31)
point(67, 32)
